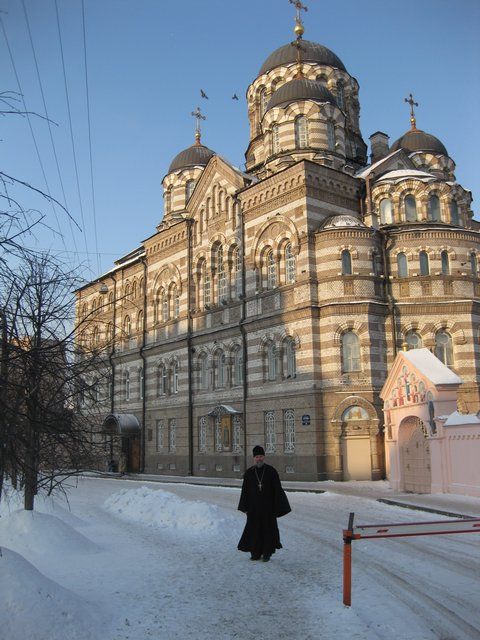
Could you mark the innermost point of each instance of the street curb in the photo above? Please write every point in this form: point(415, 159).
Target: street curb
point(414, 507)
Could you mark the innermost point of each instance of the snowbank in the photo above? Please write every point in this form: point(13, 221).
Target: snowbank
point(158, 508)
point(36, 535)
point(33, 607)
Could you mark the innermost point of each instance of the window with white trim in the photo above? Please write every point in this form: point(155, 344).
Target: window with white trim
point(350, 352)
point(160, 435)
point(270, 434)
point(172, 435)
point(444, 347)
point(202, 434)
point(289, 264)
point(301, 132)
point(271, 270)
point(289, 430)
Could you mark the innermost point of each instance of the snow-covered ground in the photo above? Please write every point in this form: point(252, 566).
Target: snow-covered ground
point(134, 561)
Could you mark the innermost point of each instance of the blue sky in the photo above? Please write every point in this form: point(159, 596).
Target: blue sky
point(148, 59)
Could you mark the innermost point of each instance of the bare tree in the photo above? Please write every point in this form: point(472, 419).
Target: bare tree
point(44, 438)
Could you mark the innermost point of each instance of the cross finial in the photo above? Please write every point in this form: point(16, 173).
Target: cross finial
point(299, 29)
point(412, 103)
point(199, 116)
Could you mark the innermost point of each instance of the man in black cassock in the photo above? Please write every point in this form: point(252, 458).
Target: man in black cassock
point(263, 500)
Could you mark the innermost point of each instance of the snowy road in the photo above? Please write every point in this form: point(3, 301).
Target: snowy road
point(164, 581)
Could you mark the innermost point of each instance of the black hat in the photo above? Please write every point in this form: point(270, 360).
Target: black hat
point(258, 451)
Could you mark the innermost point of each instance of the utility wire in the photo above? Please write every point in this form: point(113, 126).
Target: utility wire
point(27, 115)
point(90, 139)
point(71, 129)
point(48, 122)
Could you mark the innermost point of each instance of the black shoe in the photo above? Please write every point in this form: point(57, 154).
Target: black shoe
point(254, 557)
point(266, 558)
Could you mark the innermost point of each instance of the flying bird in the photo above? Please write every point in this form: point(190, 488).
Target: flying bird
point(234, 97)
point(203, 94)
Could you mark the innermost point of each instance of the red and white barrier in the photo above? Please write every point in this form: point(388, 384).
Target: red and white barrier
point(370, 531)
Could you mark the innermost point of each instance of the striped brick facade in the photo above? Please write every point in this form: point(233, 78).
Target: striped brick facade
point(268, 306)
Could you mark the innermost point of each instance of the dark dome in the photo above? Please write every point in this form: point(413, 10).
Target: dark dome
point(417, 140)
point(310, 52)
point(300, 89)
point(194, 156)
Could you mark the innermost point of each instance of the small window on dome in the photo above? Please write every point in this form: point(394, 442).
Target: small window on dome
point(434, 208)
point(445, 263)
point(189, 187)
point(424, 266)
point(410, 209)
point(454, 212)
point(263, 101)
point(402, 265)
point(386, 211)
point(275, 138)
point(340, 95)
point(301, 132)
point(331, 135)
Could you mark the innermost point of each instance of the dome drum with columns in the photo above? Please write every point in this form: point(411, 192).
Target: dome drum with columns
point(269, 304)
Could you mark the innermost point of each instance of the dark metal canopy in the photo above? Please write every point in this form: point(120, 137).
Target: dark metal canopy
point(223, 410)
point(309, 52)
point(121, 424)
point(418, 140)
point(195, 156)
point(301, 89)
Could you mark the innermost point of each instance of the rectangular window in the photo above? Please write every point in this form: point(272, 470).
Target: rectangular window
point(289, 430)
point(202, 434)
point(160, 432)
point(270, 434)
point(172, 435)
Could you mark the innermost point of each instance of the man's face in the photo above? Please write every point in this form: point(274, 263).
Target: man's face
point(259, 460)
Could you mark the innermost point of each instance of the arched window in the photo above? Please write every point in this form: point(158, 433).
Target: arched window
point(162, 380)
point(271, 270)
point(96, 337)
point(109, 335)
point(222, 275)
point(168, 200)
point(237, 367)
point(127, 327)
point(322, 78)
point(207, 286)
point(140, 322)
point(402, 265)
point(454, 219)
point(346, 263)
point(275, 138)
point(331, 135)
point(270, 435)
point(473, 264)
point(175, 302)
point(386, 211)
point(221, 369)
point(413, 340)
point(350, 352)
point(189, 187)
point(271, 361)
point(127, 385)
point(289, 264)
point(164, 304)
point(340, 95)
point(289, 430)
point(301, 132)
point(410, 209)
point(175, 377)
point(424, 266)
point(444, 347)
point(445, 263)
point(203, 371)
point(237, 272)
point(263, 101)
point(290, 359)
point(434, 208)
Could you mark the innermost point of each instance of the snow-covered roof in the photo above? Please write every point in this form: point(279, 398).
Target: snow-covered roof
point(365, 172)
point(431, 367)
point(457, 418)
point(401, 174)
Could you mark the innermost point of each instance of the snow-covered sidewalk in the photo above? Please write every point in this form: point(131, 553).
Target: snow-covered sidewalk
point(133, 561)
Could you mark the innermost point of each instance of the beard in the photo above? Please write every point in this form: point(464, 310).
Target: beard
point(259, 465)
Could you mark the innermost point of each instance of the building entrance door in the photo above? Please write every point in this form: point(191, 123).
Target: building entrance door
point(414, 457)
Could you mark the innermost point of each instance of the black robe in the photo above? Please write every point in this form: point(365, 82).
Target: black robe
point(263, 507)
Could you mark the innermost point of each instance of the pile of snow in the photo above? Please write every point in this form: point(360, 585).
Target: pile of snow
point(36, 535)
point(33, 607)
point(158, 508)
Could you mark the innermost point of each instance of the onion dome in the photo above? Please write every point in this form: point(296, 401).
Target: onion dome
point(417, 140)
point(309, 51)
point(300, 89)
point(195, 156)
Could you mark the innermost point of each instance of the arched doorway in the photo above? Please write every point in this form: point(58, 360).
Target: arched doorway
point(415, 474)
point(127, 427)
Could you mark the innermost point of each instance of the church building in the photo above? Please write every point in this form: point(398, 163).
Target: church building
point(270, 302)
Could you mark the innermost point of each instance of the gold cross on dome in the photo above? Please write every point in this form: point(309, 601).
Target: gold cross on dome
point(412, 103)
point(199, 116)
point(298, 6)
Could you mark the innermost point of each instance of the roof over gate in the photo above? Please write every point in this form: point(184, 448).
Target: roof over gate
point(223, 410)
point(121, 424)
